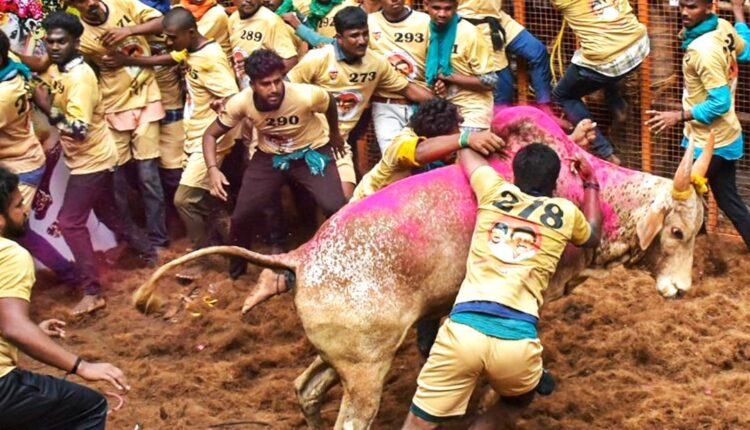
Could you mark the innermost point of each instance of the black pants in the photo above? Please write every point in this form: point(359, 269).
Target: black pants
point(721, 176)
point(30, 401)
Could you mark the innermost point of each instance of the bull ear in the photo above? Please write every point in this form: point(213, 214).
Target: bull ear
point(649, 226)
point(700, 167)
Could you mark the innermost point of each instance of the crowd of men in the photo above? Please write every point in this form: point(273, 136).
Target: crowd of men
point(209, 109)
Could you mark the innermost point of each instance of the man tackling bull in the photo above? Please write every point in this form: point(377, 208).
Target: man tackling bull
point(519, 237)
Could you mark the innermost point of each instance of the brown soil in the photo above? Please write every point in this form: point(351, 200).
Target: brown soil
point(624, 357)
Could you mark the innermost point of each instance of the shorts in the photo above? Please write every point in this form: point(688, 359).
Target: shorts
point(460, 356)
point(140, 144)
point(171, 145)
point(28, 184)
point(345, 166)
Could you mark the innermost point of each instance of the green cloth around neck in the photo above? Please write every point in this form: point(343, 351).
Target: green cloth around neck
point(690, 34)
point(285, 7)
point(440, 49)
point(318, 11)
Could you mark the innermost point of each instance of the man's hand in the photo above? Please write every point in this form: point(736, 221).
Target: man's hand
point(584, 133)
point(114, 59)
point(218, 105)
point(115, 35)
point(738, 7)
point(661, 121)
point(217, 181)
point(53, 328)
point(103, 372)
point(581, 167)
point(485, 142)
point(292, 19)
point(440, 88)
point(338, 145)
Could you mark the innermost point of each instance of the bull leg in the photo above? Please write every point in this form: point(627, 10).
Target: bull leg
point(363, 386)
point(311, 386)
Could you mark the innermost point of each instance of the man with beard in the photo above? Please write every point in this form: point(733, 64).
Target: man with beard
point(713, 48)
point(77, 110)
point(294, 143)
point(27, 399)
point(351, 72)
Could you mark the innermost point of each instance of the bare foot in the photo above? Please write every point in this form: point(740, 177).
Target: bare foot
point(614, 160)
point(269, 284)
point(88, 304)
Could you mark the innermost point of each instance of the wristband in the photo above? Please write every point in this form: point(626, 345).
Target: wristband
point(463, 139)
point(209, 167)
point(74, 370)
point(591, 185)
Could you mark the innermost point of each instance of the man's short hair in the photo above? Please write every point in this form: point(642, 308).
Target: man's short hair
point(435, 117)
point(8, 183)
point(263, 63)
point(63, 21)
point(536, 168)
point(179, 18)
point(349, 18)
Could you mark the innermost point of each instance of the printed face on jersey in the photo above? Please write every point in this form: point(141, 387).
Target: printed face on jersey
point(512, 240)
point(347, 103)
point(131, 48)
point(239, 56)
point(607, 10)
point(404, 63)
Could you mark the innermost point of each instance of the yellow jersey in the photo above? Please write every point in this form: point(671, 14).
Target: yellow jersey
point(208, 77)
point(16, 280)
point(517, 242)
point(403, 44)
point(325, 26)
point(20, 150)
point(604, 28)
point(472, 56)
point(215, 25)
point(295, 125)
point(169, 78)
point(351, 84)
point(710, 61)
point(264, 29)
point(128, 87)
point(76, 96)
point(397, 163)
point(483, 8)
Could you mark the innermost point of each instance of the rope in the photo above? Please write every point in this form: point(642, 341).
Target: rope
point(556, 54)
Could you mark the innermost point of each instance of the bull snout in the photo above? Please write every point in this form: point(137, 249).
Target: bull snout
point(672, 290)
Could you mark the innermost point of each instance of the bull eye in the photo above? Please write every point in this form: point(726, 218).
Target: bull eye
point(677, 233)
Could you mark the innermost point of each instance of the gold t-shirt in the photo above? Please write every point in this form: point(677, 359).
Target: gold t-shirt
point(605, 28)
point(76, 95)
point(403, 44)
point(710, 61)
point(208, 77)
point(325, 26)
point(296, 124)
point(264, 29)
point(215, 25)
point(351, 84)
point(397, 163)
point(517, 242)
point(169, 78)
point(128, 87)
point(483, 8)
point(17, 277)
point(472, 56)
point(20, 150)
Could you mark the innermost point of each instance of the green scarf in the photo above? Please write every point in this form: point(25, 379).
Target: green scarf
point(315, 161)
point(318, 11)
point(690, 34)
point(440, 49)
point(13, 68)
point(285, 7)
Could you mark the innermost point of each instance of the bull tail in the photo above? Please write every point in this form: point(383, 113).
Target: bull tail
point(145, 298)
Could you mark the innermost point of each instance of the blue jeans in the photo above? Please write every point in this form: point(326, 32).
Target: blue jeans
point(579, 82)
point(528, 47)
point(149, 184)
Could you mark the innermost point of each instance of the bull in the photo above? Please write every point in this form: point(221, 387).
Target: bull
point(379, 265)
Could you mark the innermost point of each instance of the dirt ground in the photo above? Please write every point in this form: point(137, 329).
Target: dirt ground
point(624, 357)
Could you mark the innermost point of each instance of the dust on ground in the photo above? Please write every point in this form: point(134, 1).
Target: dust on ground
point(623, 356)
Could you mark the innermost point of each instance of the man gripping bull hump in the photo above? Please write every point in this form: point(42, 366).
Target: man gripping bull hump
point(519, 237)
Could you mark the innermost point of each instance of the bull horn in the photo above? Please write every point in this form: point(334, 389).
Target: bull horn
point(700, 167)
point(682, 175)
